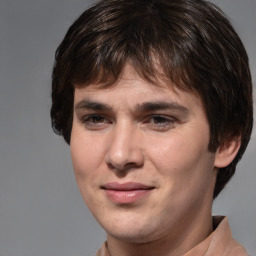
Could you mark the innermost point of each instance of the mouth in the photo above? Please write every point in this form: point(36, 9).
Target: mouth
point(126, 193)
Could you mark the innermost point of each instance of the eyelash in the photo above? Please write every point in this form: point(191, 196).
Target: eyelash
point(154, 122)
point(161, 123)
point(95, 122)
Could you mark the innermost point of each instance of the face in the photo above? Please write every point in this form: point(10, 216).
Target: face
point(141, 159)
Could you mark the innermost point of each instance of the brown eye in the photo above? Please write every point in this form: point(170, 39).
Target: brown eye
point(95, 122)
point(159, 120)
point(95, 119)
point(161, 123)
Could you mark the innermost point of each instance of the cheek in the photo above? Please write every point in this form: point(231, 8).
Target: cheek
point(87, 155)
point(176, 152)
point(187, 177)
point(87, 159)
point(184, 162)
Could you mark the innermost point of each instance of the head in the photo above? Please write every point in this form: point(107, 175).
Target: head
point(189, 43)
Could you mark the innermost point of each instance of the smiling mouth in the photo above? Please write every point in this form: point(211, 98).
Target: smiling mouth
point(126, 193)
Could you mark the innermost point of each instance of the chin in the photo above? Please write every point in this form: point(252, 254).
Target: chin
point(130, 229)
point(131, 235)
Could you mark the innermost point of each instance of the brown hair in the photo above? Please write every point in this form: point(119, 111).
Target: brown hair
point(191, 42)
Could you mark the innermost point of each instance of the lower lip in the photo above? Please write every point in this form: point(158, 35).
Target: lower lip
point(126, 197)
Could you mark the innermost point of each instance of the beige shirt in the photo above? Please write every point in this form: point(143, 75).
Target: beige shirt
point(219, 243)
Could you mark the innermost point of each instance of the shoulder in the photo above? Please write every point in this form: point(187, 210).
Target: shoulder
point(222, 238)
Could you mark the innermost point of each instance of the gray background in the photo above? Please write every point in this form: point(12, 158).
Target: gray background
point(41, 211)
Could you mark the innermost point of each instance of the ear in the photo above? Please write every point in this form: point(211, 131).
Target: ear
point(227, 151)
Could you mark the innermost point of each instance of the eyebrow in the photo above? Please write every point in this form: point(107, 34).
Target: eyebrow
point(160, 105)
point(92, 105)
point(144, 107)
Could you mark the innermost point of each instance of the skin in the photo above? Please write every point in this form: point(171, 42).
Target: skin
point(117, 136)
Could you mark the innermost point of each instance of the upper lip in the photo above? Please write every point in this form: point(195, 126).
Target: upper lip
point(128, 186)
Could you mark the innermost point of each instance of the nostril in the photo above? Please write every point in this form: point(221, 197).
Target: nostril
point(110, 166)
point(121, 170)
point(132, 165)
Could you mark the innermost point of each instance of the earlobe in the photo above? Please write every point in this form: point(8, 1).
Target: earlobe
point(226, 152)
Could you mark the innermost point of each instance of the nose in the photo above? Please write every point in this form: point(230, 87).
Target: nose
point(124, 151)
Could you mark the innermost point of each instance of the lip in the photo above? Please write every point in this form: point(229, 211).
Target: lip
point(126, 193)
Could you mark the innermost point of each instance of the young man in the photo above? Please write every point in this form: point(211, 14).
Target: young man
point(155, 99)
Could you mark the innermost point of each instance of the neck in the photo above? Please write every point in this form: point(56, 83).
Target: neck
point(186, 235)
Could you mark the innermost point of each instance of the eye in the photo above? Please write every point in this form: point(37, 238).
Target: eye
point(95, 122)
point(161, 123)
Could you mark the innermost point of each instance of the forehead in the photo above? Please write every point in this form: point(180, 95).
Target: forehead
point(130, 88)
